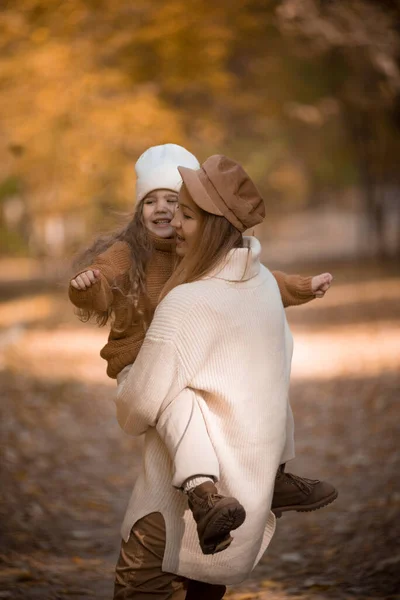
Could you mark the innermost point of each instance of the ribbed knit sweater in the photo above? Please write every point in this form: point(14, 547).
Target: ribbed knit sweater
point(225, 340)
point(113, 286)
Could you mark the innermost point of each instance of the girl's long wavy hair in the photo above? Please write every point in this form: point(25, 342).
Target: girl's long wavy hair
point(136, 236)
point(215, 238)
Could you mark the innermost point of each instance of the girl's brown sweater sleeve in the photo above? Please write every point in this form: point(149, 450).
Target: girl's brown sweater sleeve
point(112, 264)
point(294, 289)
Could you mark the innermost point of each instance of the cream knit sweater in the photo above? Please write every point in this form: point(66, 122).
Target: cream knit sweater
point(222, 344)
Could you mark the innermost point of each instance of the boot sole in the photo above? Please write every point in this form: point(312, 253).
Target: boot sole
point(216, 536)
point(306, 507)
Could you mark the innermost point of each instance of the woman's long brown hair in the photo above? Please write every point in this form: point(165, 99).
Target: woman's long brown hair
point(136, 236)
point(215, 238)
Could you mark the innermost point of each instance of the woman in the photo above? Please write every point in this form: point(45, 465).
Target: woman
point(124, 274)
point(219, 341)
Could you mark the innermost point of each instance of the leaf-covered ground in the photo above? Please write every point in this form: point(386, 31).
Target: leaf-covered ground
point(67, 470)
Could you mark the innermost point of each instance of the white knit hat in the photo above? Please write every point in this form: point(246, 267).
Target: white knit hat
point(157, 169)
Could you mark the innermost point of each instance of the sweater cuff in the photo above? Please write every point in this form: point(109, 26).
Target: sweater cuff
point(96, 297)
point(304, 289)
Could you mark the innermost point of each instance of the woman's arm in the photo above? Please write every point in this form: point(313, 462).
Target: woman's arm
point(154, 380)
point(296, 290)
point(160, 373)
point(108, 266)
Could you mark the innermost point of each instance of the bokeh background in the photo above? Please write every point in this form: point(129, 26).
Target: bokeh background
point(306, 95)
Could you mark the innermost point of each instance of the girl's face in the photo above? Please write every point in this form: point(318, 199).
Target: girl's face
point(158, 211)
point(186, 222)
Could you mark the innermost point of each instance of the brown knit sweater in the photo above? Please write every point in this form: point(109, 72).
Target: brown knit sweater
point(111, 289)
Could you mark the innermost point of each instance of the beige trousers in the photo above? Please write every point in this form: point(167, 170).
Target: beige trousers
point(139, 574)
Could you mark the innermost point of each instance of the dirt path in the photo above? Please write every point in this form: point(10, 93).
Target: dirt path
point(67, 470)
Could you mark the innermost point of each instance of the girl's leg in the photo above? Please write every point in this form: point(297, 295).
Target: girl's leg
point(289, 449)
point(138, 574)
point(292, 492)
point(182, 428)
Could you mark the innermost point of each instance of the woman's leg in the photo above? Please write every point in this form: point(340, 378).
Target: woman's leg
point(139, 574)
point(198, 590)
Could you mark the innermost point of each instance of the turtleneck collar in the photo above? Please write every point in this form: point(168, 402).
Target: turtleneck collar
point(163, 244)
point(240, 264)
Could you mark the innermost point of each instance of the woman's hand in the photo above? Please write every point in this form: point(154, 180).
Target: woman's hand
point(86, 279)
point(321, 284)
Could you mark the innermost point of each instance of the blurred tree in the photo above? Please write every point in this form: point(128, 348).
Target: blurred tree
point(304, 92)
point(359, 43)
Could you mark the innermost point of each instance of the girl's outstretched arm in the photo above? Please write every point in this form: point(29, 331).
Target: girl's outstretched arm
point(321, 283)
point(296, 290)
point(92, 288)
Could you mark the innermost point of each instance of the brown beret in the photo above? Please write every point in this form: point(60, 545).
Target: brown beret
point(222, 187)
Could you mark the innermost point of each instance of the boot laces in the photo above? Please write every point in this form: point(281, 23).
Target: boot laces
point(208, 501)
point(304, 484)
point(212, 500)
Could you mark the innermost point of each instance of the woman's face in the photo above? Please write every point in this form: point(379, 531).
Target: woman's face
point(158, 211)
point(186, 223)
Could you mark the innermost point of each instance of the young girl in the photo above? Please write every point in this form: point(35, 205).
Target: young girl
point(121, 282)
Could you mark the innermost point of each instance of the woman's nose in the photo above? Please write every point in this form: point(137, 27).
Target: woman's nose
point(176, 222)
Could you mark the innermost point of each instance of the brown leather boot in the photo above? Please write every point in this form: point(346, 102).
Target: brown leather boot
point(298, 493)
point(216, 516)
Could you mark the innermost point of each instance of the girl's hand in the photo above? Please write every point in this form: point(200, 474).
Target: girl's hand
point(86, 279)
point(321, 284)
